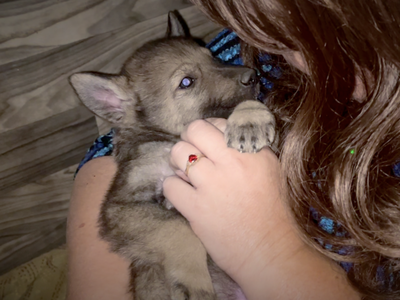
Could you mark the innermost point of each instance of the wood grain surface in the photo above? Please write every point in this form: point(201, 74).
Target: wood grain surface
point(44, 129)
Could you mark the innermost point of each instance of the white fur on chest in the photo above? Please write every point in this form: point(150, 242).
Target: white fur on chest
point(153, 166)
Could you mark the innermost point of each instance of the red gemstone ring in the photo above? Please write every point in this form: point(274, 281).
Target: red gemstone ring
point(192, 159)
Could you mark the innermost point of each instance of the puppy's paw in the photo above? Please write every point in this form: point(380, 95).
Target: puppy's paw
point(250, 137)
point(156, 283)
point(182, 292)
point(251, 127)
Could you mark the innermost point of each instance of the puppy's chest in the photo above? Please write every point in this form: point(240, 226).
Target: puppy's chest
point(149, 169)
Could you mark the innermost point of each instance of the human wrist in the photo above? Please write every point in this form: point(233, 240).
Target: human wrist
point(264, 274)
point(297, 272)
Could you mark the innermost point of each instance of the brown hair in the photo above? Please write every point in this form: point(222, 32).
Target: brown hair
point(339, 153)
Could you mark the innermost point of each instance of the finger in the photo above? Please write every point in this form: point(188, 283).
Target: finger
point(194, 172)
point(181, 194)
point(179, 157)
point(218, 122)
point(205, 137)
point(182, 175)
point(180, 153)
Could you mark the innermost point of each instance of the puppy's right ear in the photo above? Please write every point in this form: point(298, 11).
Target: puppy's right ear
point(177, 26)
point(103, 94)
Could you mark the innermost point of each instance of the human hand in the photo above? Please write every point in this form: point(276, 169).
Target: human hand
point(234, 202)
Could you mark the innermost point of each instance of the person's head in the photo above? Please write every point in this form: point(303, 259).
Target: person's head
point(317, 36)
point(345, 135)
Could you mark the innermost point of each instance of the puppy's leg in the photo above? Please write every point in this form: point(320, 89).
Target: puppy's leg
point(142, 276)
point(251, 127)
point(159, 240)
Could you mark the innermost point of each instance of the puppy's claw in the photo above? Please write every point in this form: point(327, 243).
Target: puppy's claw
point(180, 292)
point(255, 139)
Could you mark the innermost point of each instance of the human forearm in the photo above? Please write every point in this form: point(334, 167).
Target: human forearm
point(299, 273)
point(94, 272)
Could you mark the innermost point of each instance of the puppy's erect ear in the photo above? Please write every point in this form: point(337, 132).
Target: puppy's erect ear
point(103, 94)
point(177, 26)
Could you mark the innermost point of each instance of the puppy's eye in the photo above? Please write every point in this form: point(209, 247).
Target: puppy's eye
point(186, 82)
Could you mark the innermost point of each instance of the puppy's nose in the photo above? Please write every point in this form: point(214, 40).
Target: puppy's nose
point(248, 78)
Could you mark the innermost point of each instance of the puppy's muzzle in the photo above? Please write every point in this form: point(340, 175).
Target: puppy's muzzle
point(249, 78)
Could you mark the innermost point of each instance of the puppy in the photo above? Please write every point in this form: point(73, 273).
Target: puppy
point(162, 87)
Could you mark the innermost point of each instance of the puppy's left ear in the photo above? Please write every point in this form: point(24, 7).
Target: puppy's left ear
point(177, 26)
point(104, 94)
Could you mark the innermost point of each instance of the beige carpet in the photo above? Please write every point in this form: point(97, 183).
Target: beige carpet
point(43, 278)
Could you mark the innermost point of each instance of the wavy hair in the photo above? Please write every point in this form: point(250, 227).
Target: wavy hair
point(339, 153)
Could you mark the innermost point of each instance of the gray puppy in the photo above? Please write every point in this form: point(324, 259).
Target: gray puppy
point(163, 86)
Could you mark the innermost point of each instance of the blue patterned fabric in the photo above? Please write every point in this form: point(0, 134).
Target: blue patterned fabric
point(102, 146)
point(226, 47)
point(335, 228)
point(396, 170)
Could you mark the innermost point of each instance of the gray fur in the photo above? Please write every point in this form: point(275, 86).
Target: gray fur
point(149, 111)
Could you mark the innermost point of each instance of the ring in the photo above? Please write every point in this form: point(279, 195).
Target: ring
point(192, 159)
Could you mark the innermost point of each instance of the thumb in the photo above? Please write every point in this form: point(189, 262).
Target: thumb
point(218, 122)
